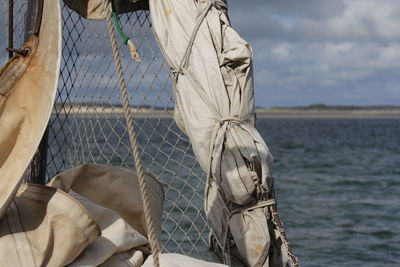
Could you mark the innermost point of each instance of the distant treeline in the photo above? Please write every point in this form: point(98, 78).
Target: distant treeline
point(310, 107)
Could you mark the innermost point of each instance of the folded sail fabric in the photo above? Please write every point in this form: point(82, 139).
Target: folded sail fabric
point(177, 260)
point(112, 196)
point(115, 188)
point(28, 85)
point(131, 258)
point(55, 226)
point(44, 227)
point(116, 236)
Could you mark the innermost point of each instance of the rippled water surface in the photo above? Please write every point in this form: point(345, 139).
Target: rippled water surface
point(338, 187)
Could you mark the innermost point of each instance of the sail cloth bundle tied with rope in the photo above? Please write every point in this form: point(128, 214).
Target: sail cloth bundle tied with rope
point(212, 65)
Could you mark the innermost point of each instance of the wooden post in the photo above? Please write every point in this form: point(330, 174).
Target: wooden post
point(36, 171)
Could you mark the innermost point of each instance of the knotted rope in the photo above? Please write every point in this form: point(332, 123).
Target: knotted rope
point(153, 239)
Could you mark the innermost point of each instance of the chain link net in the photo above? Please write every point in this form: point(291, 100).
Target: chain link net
point(20, 7)
point(88, 124)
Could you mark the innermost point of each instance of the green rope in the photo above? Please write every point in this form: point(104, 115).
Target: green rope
point(118, 24)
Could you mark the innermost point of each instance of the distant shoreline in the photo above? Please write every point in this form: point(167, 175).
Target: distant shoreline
point(331, 113)
point(297, 112)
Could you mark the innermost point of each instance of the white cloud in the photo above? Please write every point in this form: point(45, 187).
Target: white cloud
point(335, 52)
point(367, 20)
point(282, 51)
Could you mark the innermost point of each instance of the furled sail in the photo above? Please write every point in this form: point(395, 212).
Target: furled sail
point(212, 67)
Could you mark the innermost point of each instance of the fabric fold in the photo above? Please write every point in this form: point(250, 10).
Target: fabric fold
point(114, 188)
point(44, 227)
point(112, 196)
point(214, 106)
point(27, 94)
point(117, 236)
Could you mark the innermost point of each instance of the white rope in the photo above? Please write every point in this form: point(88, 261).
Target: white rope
point(279, 226)
point(153, 239)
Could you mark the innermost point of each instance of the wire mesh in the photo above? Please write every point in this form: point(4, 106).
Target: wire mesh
point(88, 126)
point(20, 7)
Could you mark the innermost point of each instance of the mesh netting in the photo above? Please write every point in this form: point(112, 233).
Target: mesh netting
point(20, 7)
point(87, 124)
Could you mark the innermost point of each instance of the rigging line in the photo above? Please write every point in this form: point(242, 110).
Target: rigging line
point(127, 41)
point(153, 239)
point(10, 27)
point(279, 225)
point(118, 24)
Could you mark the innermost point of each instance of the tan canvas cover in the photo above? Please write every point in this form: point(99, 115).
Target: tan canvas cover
point(112, 196)
point(93, 9)
point(117, 236)
point(213, 77)
point(131, 258)
point(177, 260)
point(28, 84)
point(44, 227)
point(53, 225)
point(114, 188)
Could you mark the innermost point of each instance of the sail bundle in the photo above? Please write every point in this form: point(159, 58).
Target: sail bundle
point(214, 91)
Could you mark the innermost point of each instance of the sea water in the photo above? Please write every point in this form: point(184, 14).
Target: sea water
point(338, 187)
point(337, 183)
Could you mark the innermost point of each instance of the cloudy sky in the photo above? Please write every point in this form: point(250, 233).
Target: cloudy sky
point(337, 52)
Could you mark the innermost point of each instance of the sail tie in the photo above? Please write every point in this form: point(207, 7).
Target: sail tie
point(201, 17)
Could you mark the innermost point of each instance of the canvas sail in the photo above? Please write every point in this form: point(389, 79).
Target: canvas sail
point(212, 67)
point(28, 87)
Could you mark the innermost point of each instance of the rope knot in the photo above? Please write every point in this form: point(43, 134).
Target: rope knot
point(228, 120)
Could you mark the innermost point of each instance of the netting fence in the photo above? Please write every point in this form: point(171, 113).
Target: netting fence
point(87, 124)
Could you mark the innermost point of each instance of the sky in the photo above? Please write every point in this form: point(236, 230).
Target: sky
point(335, 52)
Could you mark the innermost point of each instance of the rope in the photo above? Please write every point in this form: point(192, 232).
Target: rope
point(127, 41)
point(196, 29)
point(153, 240)
point(279, 226)
point(10, 27)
